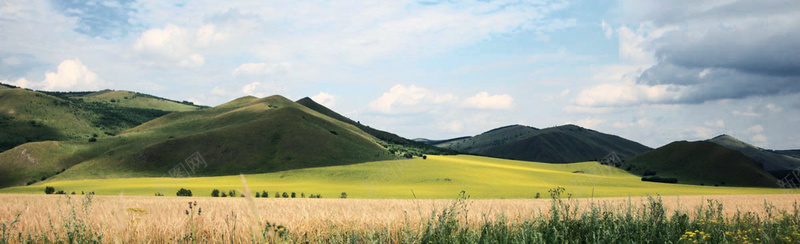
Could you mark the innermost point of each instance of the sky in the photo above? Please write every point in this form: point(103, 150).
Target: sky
point(650, 71)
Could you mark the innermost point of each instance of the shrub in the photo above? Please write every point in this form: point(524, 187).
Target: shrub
point(215, 193)
point(49, 190)
point(294, 195)
point(183, 192)
point(343, 196)
point(159, 194)
point(92, 139)
point(537, 196)
point(224, 195)
point(424, 156)
point(302, 195)
point(62, 192)
point(258, 194)
point(659, 179)
point(232, 193)
point(285, 195)
point(277, 195)
point(264, 194)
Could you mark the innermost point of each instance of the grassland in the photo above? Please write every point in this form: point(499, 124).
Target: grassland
point(126, 219)
point(431, 178)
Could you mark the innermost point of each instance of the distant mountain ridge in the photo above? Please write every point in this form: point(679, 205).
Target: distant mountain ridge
point(561, 144)
point(771, 161)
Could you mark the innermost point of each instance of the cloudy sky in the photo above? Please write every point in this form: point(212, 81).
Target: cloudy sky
point(651, 71)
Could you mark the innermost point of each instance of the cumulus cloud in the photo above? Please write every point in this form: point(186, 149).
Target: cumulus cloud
point(176, 45)
point(250, 89)
point(698, 52)
point(262, 69)
point(70, 75)
point(483, 100)
point(325, 99)
point(411, 99)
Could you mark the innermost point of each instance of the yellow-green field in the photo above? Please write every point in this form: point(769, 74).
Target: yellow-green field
point(434, 177)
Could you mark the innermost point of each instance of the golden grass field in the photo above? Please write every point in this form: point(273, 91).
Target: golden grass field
point(126, 219)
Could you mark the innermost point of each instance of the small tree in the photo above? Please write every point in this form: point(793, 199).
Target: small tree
point(49, 190)
point(232, 193)
point(537, 196)
point(183, 192)
point(258, 194)
point(424, 156)
point(224, 195)
point(343, 196)
point(294, 195)
point(264, 194)
point(277, 195)
point(215, 193)
point(285, 195)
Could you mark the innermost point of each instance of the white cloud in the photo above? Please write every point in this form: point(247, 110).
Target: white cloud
point(176, 45)
point(262, 69)
point(483, 100)
point(590, 122)
point(71, 75)
point(638, 123)
point(608, 30)
point(627, 94)
point(702, 132)
point(412, 99)
point(250, 89)
point(325, 99)
point(773, 108)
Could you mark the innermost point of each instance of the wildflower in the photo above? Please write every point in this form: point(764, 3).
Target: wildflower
point(187, 212)
point(199, 210)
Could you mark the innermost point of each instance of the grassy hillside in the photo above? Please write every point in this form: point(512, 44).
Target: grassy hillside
point(436, 177)
point(701, 162)
point(793, 153)
point(244, 136)
point(30, 116)
point(393, 141)
point(561, 144)
point(137, 100)
point(771, 162)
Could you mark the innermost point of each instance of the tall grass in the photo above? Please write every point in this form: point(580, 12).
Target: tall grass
point(562, 221)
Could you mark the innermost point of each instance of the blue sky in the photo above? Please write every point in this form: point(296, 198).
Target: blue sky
point(650, 71)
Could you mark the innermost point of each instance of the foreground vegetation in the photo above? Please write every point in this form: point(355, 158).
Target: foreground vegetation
point(106, 219)
point(436, 177)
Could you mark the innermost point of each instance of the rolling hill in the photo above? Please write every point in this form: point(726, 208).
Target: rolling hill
point(31, 116)
point(561, 144)
point(701, 162)
point(394, 142)
point(434, 177)
point(771, 162)
point(247, 135)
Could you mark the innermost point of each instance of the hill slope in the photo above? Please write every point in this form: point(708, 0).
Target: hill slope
point(30, 116)
point(561, 144)
point(440, 177)
point(394, 142)
point(771, 161)
point(701, 162)
point(244, 136)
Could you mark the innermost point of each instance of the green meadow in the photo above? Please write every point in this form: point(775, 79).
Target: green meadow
point(434, 177)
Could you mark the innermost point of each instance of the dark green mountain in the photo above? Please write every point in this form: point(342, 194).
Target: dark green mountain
point(561, 144)
point(701, 162)
point(771, 161)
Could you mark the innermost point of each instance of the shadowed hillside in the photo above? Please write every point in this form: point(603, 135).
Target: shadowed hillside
point(769, 160)
point(561, 144)
point(701, 162)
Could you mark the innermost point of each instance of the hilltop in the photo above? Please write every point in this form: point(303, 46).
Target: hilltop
point(246, 135)
point(561, 144)
point(701, 163)
point(771, 162)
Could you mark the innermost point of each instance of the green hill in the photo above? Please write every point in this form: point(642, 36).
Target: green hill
point(561, 144)
point(435, 177)
point(771, 162)
point(393, 141)
point(31, 116)
point(137, 100)
point(244, 136)
point(701, 162)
